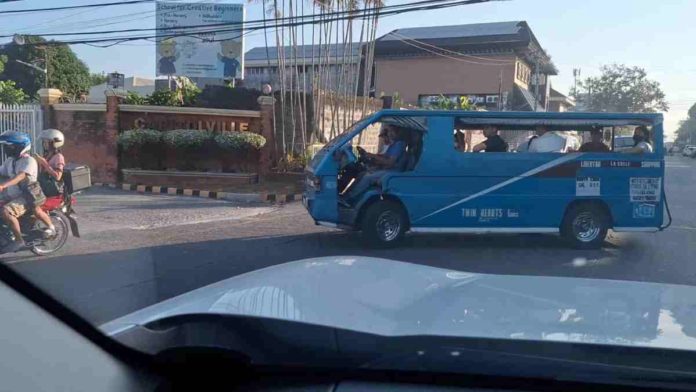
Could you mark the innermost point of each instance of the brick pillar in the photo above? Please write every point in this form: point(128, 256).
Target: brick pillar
point(267, 153)
point(110, 160)
point(48, 97)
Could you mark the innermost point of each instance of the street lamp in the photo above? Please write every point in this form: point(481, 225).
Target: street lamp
point(20, 40)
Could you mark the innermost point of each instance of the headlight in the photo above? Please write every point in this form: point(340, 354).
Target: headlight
point(313, 182)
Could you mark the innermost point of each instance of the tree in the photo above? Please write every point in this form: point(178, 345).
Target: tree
point(3, 60)
point(65, 71)
point(10, 94)
point(621, 89)
point(444, 103)
point(96, 79)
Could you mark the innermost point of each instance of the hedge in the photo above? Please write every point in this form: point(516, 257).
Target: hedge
point(186, 138)
point(236, 141)
point(139, 137)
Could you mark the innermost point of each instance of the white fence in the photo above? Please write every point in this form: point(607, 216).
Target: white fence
point(25, 118)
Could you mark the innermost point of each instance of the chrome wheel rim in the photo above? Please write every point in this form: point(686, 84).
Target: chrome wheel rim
point(57, 241)
point(388, 225)
point(585, 227)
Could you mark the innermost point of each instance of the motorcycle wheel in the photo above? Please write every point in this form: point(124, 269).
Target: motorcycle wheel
point(49, 246)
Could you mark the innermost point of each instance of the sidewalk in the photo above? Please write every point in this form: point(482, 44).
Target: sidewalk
point(103, 209)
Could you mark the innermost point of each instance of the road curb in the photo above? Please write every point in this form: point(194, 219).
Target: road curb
point(239, 197)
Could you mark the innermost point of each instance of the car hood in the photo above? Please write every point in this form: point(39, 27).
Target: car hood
point(394, 298)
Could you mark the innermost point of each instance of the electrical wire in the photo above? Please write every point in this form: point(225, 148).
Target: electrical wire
point(72, 7)
point(403, 37)
point(316, 19)
point(118, 19)
point(340, 15)
point(452, 58)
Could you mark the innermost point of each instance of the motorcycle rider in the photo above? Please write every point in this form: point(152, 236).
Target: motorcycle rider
point(19, 166)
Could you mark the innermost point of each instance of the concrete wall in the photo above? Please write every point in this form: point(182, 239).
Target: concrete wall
point(438, 75)
point(91, 130)
point(84, 127)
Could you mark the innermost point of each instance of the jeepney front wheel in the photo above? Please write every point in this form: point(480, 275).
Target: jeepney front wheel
point(585, 226)
point(384, 224)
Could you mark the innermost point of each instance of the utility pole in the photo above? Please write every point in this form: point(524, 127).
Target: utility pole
point(536, 82)
point(576, 75)
point(500, 90)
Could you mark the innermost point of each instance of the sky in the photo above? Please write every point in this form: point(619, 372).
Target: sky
point(655, 35)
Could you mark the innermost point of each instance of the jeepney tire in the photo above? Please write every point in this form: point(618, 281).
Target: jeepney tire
point(376, 222)
point(593, 235)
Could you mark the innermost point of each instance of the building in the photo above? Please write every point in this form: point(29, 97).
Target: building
point(342, 65)
point(142, 86)
point(494, 64)
point(559, 102)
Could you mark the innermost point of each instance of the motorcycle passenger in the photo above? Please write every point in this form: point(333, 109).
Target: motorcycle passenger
point(19, 166)
point(51, 164)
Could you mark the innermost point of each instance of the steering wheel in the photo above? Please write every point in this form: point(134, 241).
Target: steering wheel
point(362, 155)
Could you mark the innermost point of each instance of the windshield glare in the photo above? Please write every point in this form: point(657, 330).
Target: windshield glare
point(506, 170)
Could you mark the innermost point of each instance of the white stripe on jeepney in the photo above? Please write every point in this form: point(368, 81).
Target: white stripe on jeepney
point(538, 169)
point(484, 230)
point(636, 229)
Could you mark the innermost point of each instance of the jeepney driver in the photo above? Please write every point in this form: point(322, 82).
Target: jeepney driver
point(379, 163)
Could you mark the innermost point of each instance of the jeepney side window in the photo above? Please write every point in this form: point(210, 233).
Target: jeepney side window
point(622, 137)
point(467, 136)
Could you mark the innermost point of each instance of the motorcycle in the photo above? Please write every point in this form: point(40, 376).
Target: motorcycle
point(60, 209)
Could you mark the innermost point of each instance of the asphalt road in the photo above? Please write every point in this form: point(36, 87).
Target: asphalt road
point(140, 249)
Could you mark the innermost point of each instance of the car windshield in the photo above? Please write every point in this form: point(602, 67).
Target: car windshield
point(508, 171)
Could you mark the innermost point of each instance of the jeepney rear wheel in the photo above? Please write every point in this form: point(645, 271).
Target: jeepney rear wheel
point(585, 226)
point(384, 224)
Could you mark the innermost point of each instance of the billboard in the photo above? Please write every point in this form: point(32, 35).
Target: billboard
point(202, 51)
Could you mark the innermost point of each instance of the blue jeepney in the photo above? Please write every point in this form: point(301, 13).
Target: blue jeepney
point(442, 189)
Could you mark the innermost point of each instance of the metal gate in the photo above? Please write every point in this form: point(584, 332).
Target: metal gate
point(24, 118)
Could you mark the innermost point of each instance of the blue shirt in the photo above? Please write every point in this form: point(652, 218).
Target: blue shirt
point(396, 149)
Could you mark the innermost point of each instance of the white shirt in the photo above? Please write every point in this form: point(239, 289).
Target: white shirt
point(645, 146)
point(549, 142)
point(26, 164)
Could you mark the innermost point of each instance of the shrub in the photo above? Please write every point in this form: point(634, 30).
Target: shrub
point(136, 138)
point(186, 138)
point(237, 141)
point(133, 98)
point(164, 98)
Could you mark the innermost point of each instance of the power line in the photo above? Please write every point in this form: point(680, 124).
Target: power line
point(315, 19)
point(403, 38)
point(71, 7)
point(93, 23)
point(450, 57)
point(340, 15)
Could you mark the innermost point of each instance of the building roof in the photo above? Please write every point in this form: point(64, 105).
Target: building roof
point(557, 96)
point(481, 38)
point(303, 51)
point(457, 31)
